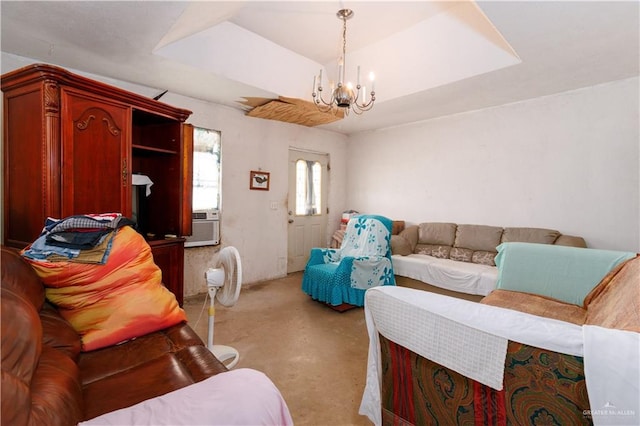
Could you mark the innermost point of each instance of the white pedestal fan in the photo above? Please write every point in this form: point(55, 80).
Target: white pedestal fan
point(223, 283)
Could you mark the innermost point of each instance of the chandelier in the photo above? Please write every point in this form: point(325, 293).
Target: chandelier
point(343, 96)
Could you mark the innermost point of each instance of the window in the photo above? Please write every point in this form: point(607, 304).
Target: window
point(308, 188)
point(206, 169)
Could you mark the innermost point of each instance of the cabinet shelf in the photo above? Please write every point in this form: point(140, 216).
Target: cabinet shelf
point(153, 149)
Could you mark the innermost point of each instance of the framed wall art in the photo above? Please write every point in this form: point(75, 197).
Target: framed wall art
point(259, 180)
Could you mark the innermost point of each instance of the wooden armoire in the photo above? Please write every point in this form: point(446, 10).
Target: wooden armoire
point(71, 145)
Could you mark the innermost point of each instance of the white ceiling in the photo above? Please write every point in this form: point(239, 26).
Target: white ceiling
point(430, 58)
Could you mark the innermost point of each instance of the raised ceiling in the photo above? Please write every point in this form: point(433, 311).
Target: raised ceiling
point(430, 58)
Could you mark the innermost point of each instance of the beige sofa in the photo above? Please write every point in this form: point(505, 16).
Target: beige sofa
point(460, 257)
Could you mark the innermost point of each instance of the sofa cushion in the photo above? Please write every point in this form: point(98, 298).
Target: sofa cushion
point(119, 376)
point(461, 254)
point(571, 241)
point(400, 245)
point(437, 233)
point(530, 235)
point(535, 304)
point(615, 301)
point(484, 257)
point(441, 252)
point(478, 237)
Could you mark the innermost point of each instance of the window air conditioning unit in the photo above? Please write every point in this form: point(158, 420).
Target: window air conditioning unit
point(205, 229)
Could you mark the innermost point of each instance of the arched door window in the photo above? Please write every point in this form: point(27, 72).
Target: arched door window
point(308, 188)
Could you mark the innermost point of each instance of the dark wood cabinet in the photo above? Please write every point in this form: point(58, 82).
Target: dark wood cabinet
point(95, 152)
point(168, 254)
point(70, 146)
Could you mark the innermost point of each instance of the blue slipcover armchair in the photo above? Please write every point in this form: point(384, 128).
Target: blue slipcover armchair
point(340, 277)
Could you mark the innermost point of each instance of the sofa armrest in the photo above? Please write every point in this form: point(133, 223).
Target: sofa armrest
point(533, 330)
point(410, 235)
point(317, 256)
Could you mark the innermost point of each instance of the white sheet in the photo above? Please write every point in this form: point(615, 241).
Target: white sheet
point(529, 329)
point(467, 350)
point(237, 397)
point(612, 373)
point(137, 179)
point(465, 277)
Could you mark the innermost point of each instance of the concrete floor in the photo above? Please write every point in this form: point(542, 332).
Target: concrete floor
point(316, 356)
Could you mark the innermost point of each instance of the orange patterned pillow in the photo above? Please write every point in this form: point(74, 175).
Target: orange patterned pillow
point(110, 303)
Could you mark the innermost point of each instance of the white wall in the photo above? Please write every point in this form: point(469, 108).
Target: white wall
point(568, 162)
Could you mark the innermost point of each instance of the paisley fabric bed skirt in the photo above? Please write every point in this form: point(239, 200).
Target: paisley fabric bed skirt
point(540, 387)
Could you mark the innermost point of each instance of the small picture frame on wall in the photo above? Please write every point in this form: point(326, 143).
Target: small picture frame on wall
point(259, 180)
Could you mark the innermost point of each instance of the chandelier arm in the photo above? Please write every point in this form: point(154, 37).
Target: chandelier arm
point(365, 106)
point(321, 104)
point(318, 97)
point(361, 110)
point(357, 95)
point(323, 108)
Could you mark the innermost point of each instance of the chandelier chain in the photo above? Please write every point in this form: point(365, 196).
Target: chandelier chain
point(344, 42)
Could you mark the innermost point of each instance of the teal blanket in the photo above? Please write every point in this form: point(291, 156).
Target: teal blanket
point(564, 273)
point(337, 276)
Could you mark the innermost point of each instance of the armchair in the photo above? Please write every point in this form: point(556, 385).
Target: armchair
point(340, 277)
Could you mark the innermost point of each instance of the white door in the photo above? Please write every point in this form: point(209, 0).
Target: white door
point(307, 206)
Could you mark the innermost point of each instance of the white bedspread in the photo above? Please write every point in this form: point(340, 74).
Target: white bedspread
point(465, 277)
point(404, 315)
point(612, 373)
point(237, 397)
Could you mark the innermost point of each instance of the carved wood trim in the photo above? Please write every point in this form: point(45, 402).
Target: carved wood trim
point(51, 97)
point(90, 114)
point(51, 149)
point(39, 72)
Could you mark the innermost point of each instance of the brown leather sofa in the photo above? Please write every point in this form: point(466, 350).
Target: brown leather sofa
point(47, 380)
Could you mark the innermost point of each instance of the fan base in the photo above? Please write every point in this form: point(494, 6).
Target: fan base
point(226, 354)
